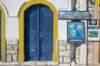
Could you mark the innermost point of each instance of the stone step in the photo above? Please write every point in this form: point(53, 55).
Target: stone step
point(29, 65)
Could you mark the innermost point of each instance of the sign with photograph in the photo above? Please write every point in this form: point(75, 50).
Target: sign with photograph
point(93, 23)
point(75, 32)
point(73, 15)
point(93, 35)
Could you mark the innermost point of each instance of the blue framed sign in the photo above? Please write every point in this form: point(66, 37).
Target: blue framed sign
point(75, 32)
point(73, 15)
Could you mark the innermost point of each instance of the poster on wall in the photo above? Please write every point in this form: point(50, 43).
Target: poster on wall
point(93, 23)
point(75, 32)
point(93, 35)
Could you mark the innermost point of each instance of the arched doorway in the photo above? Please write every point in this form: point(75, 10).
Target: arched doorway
point(38, 33)
point(21, 56)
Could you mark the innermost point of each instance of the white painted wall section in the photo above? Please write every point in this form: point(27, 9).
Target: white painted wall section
point(13, 9)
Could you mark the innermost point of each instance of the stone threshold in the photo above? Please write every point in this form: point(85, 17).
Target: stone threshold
point(30, 63)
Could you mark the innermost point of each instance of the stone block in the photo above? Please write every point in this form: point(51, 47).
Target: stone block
point(15, 58)
point(41, 63)
point(66, 59)
point(68, 47)
point(90, 61)
point(77, 59)
point(72, 63)
point(14, 51)
point(15, 47)
point(96, 42)
point(64, 64)
point(12, 41)
point(62, 47)
point(60, 41)
point(90, 50)
point(90, 55)
point(90, 42)
point(61, 59)
point(64, 53)
point(9, 58)
point(9, 51)
point(77, 55)
point(78, 48)
point(77, 52)
point(9, 47)
point(90, 46)
point(68, 53)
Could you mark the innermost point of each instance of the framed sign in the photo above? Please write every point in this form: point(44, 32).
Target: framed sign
point(93, 34)
point(93, 23)
point(73, 15)
point(75, 32)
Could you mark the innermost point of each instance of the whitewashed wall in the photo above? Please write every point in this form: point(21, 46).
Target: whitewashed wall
point(12, 7)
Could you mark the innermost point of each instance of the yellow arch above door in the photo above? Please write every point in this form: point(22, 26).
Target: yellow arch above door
point(3, 45)
point(21, 56)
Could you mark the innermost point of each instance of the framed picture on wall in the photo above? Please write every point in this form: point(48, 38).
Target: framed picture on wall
point(75, 32)
point(93, 23)
point(93, 35)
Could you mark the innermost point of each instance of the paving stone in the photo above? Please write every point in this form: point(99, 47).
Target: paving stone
point(64, 64)
point(41, 63)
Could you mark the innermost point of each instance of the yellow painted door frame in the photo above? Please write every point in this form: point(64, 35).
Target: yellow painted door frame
point(21, 56)
point(97, 3)
point(3, 44)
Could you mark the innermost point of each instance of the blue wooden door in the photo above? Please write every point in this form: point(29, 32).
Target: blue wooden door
point(46, 33)
point(38, 33)
point(0, 36)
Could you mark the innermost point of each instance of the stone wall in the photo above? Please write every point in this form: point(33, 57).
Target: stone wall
point(90, 52)
point(77, 53)
point(12, 50)
point(91, 4)
point(69, 54)
point(77, 5)
point(64, 53)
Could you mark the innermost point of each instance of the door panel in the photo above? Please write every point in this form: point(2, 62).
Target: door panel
point(38, 33)
point(0, 36)
point(31, 33)
point(46, 33)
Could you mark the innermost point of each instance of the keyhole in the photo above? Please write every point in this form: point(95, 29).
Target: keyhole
point(40, 26)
